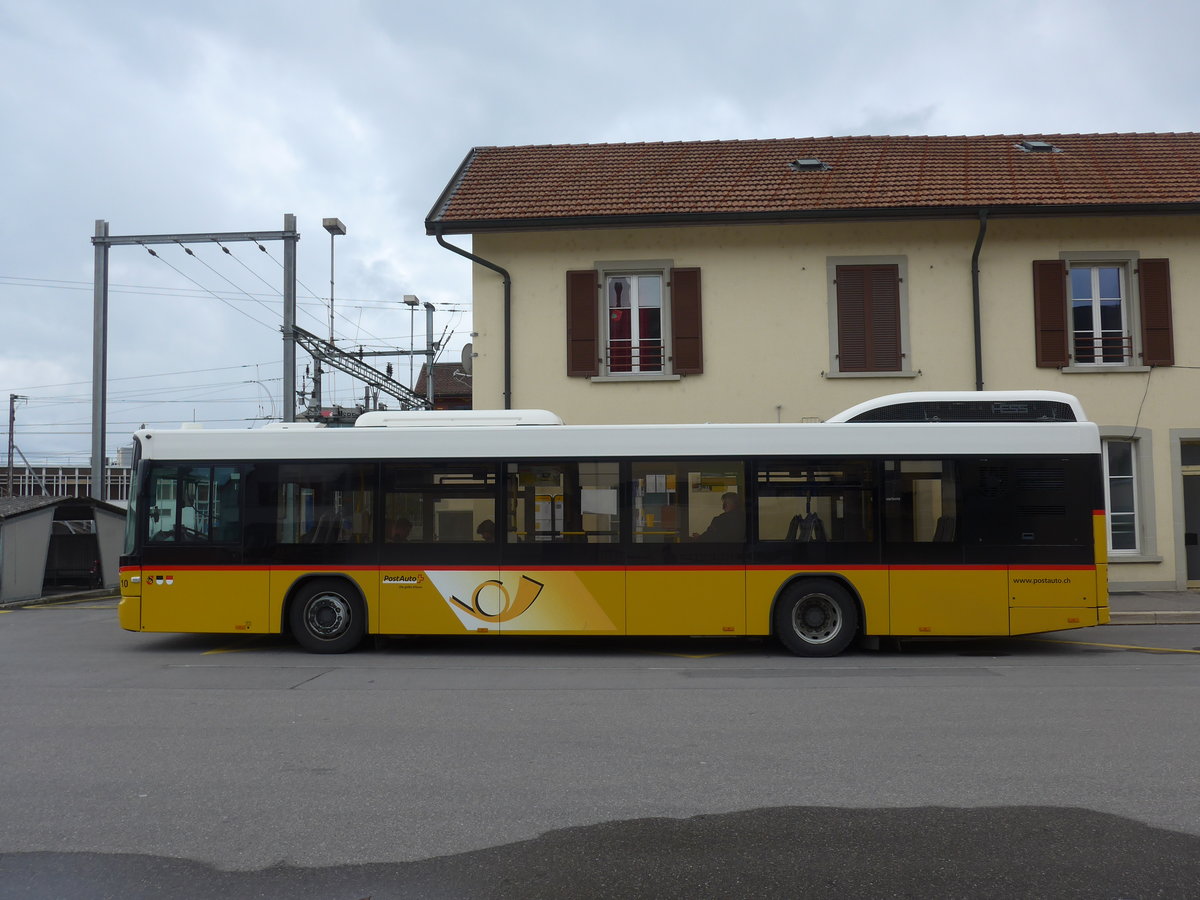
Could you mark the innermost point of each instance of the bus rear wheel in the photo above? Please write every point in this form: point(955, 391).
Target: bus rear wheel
point(816, 618)
point(327, 616)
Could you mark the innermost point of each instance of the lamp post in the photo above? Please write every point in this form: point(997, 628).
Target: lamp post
point(412, 302)
point(334, 227)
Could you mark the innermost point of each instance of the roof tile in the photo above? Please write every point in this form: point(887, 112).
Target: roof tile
point(509, 186)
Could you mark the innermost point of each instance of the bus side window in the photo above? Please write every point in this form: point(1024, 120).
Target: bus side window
point(325, 503)
point(227, 505)
point(813, 502)
point(575, 503)
point(160, 515)
point(697, 500)
point(921, 501)
point(423, 503)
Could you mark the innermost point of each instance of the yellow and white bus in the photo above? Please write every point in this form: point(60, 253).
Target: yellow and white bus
point(922, 514)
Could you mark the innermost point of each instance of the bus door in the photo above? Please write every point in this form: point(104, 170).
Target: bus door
point(561, 571)
point(686, 571)
point(439, 560)
point(935, 589)
point(192, 573)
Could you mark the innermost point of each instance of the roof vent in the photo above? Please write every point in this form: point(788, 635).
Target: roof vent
point(1037, 147)
point(808, 165)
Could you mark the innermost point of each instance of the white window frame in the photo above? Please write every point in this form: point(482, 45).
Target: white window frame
point(1143, 493)
point(1132, 515)
point(1126, 262)
point(609, 269)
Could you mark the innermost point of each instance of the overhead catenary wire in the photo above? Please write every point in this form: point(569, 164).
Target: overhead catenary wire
point(324, 301)
point(115, 287)
point(152, 252)
point(190, 252)
point(150, 398)
point(151, 375)
point(275, 291)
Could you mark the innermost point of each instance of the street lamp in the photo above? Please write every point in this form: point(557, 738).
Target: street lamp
point(334, 227)
point(412, 302)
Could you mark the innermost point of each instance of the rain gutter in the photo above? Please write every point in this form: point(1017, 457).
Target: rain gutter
point(507, 309)
point(983, 220)
point(435, 222)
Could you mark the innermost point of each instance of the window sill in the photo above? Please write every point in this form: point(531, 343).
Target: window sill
point(1114, 559)
point(1092, 370)
point(633, 376)
point(905, 373)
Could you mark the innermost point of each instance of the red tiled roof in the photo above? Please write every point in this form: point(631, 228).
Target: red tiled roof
point(448, 381)
point(559, 185)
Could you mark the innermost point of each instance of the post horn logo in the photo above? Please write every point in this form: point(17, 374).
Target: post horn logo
point(527, 591)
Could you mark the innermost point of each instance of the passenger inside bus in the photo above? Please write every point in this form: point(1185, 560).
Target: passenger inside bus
point(729, 525)
point(399, 530)
point(486, 530)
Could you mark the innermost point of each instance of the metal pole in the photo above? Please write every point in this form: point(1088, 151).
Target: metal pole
point(331, 287)
point(289, 317)
point(99, 361)
point(335, 227)
point(12, 421)
point(429, 354)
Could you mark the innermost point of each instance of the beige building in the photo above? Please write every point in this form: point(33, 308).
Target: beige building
point(785, 280)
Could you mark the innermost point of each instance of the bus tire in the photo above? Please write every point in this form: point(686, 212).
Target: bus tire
point(327, 616)
point(816, 617)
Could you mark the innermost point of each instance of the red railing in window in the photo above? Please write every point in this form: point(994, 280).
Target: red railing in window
point(1090, 348)
point(626, 356)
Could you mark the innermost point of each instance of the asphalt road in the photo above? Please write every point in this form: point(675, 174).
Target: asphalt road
point(199, 766)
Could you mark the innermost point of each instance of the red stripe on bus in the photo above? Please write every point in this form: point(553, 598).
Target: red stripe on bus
point(871, 567)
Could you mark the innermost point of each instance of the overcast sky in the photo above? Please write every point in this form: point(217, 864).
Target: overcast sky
point(184, 117)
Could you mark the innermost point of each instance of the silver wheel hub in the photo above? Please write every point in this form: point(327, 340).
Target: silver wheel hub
point(327, 616)
point(816, 619)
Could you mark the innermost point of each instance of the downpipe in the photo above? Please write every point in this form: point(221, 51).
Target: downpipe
point(507, 310)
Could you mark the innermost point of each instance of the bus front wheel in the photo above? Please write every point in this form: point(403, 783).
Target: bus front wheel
point(327, 617)
point(816, 618)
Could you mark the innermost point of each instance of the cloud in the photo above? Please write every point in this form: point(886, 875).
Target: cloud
point(181, 117)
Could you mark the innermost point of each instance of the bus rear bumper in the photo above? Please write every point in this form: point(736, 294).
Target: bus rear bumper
point(1033, 620)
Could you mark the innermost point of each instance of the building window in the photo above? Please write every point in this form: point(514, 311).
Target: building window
point(1120, 495)
point(631, 319)
point(1102, 310)
point(1100, 332)
point(868, 316)
point(634, 326)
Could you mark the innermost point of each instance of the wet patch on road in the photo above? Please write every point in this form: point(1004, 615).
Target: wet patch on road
point(927, 852)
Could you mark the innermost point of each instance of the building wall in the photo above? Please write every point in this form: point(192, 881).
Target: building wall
point(767, 333)
point(766, 340)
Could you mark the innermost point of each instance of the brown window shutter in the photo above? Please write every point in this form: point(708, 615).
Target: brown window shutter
point(687, 345)
point(868, 318)
point(1154, 282)
point(884, 282)
point(1050, 313)
point(583, 323)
